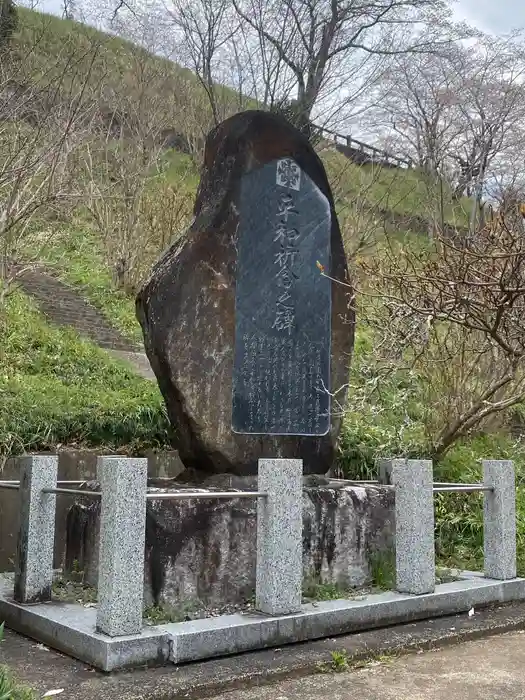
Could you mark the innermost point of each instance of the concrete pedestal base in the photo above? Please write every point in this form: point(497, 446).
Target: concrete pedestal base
point(72, 628)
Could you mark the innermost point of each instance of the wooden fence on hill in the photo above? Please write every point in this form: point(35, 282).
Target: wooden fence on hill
point(363, 153)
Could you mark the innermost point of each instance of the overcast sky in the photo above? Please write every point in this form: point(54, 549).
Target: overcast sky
point(495, 16)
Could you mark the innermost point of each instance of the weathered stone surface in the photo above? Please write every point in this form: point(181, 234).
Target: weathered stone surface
point(121, 544)
point(34, 560)
point(187, 307)
point(206, 550)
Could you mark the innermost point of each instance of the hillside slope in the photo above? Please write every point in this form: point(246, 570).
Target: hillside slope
point(57, 388)
point(60, 59)
point(47, 46)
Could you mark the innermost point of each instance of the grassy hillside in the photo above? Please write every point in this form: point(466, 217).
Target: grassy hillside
point(66, 59)
point(48, 46)
point(56, 388)
point(376, 191)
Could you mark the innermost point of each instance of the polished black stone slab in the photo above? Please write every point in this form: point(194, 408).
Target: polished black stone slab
point(281, 374)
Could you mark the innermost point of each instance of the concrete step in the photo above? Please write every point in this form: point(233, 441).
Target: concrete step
point(138, 360)
point(64, 306)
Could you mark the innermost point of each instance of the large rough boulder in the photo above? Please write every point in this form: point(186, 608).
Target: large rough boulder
point(187, 306)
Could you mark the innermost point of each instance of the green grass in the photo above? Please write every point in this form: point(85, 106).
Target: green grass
point(161, 614)
point(339, 661)
point(402, 191)
point(10, 689)
point(69, 591)
point(316, 590)
point(49, 44)
point(50, 48)
point(180, 169)
point(57, 388)
point(383, 570)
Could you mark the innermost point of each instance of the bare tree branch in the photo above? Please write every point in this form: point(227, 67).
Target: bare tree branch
point(456, 311)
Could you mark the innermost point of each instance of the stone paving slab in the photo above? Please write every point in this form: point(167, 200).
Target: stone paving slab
point(45, 669)
point(71, 628)
point(489, 669)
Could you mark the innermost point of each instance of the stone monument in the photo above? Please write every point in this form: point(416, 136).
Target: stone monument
point(248, 336)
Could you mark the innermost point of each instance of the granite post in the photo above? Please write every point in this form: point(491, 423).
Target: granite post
point(123, 482)
point(499, 518)
point(279, 537)
point(36, 535)
point(415, 554)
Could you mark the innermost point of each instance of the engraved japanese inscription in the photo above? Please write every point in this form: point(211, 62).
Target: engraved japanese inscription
point(281, 374)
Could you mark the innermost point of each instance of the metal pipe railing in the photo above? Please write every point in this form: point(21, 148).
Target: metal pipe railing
point(178, 496)
point(355, 481)
point(438, 485)
point(453, 483)
point(151, 496)
point(78, 481)
point(206, 494)
point(459, 488)
point(96, 494)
